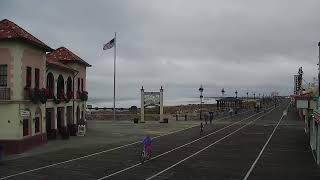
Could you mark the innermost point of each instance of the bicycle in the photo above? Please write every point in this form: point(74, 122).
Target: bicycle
point(145, 155)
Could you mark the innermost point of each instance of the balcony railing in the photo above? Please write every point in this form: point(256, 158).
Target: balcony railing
point(5, 93)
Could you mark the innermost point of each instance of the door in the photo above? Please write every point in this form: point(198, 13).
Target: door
point(48, 120)
point(25, 127)
point(59, 118)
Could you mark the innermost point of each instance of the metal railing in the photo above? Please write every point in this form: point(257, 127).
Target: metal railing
point(5, 93)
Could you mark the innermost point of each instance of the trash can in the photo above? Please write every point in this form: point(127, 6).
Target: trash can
point(1, 152)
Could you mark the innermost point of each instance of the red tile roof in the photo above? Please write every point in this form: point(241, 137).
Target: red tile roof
point(59, 65)
point(11, 31)
point(65, 55)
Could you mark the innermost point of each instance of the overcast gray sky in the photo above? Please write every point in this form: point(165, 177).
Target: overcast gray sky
point(246, 45)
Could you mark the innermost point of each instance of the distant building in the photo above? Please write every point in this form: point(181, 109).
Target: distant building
point(42, 90)
point(306, 101)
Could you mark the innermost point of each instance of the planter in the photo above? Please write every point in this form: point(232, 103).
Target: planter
point(56, 100)
point(66, 99)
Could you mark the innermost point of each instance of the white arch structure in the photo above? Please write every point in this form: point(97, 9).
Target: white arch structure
point(151, 99)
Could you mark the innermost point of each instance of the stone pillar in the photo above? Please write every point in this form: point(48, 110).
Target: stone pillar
point(161, 104)
point(142, 105)
point(55, 85)
point(55, 116)
point(64, 119)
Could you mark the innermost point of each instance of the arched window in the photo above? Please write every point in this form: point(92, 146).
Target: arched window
point(69, 88)
point(50, 85)
point(60, 87)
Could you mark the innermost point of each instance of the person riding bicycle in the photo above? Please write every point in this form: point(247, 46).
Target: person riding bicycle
point(147, 145)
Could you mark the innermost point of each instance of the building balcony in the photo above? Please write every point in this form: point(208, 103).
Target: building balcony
point(5, 93)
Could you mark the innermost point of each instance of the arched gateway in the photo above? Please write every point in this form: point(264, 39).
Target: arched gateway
point(151, 99)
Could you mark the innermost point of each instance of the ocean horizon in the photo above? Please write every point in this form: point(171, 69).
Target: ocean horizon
point(127, 103)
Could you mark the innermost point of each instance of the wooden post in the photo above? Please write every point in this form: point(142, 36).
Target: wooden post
point(142, 106)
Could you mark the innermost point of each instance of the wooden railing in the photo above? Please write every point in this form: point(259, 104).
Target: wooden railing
point(4, 93)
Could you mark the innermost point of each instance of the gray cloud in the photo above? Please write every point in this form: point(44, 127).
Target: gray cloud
point(245, 45)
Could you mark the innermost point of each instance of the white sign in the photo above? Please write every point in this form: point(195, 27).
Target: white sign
point(296, 84)
point(152, 98)
point(302, 104)
point(81, 130)
point(24, 113)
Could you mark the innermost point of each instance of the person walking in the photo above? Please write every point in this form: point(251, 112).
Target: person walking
point(231, 111)
point(210, 117)
point(201, 129)
point(206, 117)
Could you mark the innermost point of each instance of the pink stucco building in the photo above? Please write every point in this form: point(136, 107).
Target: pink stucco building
point(42, 90)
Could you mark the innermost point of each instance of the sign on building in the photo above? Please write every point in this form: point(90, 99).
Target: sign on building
point(24, 113)
point(296, 84)
point(302, 104)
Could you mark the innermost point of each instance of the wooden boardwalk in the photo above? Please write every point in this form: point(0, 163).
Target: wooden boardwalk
point(229, 149)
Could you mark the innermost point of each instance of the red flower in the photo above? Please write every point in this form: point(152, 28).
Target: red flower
point(61, 94)
point(70, 94)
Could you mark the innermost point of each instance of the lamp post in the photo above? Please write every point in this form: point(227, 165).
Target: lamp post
point(254, 96)
point(319, 71)
point(236, 93)
point(222, 92)
point(247, 99)
point(201, 96)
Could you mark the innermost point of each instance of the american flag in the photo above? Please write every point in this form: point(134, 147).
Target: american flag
point(317, 117)
point(109, 45)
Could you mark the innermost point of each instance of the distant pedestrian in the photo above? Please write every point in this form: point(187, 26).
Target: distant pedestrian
point(231, 111)
point(206, 117)
point(201, 129)
point(210, 117)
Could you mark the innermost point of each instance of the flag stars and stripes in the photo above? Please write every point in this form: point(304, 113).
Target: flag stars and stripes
point(109, 45)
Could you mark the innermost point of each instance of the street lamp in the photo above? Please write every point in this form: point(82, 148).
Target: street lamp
point(247, 99)
point(201, 96)
point(236, 93)
point(223, 91)
point(254, 96)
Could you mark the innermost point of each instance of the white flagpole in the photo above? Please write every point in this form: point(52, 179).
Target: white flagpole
point(114, 76)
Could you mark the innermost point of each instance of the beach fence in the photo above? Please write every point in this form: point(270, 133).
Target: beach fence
point(102, 115)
